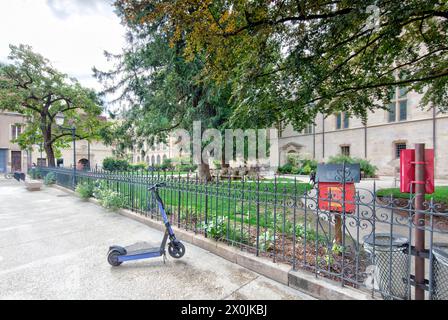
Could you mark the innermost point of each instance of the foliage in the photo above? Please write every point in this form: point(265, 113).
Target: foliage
point(368, 169)
point(50, 179)
point(440, 195)
point(31, 86)
point(108, 198)
point(186, 167)
point(266, 240)
point(113, 164)
point(137, 166)
point(291, 60)
point(296, 165)
point(216, 228)
point(167, 164)
point(85, 190)
point(35, 173)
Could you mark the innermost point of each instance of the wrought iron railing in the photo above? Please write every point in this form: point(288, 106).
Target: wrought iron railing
point(282, 219)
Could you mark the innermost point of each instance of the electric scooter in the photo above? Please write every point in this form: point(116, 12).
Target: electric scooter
point(117, 254)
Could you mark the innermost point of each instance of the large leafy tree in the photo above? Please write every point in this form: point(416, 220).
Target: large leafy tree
point(31, 86)
point(162, 90)
point(288, 60)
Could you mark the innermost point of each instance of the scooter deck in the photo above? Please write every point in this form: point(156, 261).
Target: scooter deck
point(141, 248)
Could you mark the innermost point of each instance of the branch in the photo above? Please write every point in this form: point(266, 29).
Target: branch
point(66, 135)
point(287, 19)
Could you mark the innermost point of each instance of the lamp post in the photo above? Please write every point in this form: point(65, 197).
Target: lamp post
point(60, 121)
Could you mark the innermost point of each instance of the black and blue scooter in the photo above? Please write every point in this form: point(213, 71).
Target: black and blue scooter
point(117, 254)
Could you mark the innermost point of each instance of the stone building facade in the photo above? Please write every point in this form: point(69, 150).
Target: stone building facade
point(12, 158)
point(379, 140)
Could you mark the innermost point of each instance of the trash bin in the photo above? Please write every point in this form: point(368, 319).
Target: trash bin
point(392, 263)
point(440, 271)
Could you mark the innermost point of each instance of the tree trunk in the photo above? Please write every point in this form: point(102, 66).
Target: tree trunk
point(46, 133)
point(50, 154)
point(204, 172)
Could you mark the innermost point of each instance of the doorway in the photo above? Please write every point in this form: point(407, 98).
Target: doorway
point(3, 153)
point(16, 161)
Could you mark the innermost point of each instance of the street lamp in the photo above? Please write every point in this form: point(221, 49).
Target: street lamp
point(59, 118)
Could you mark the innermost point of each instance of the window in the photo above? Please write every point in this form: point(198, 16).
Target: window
point(16, 130)
point(339, 122)
point(345, 151)
point(398, 108)
point(346, 120)
point(398, 147)
point(309, 129)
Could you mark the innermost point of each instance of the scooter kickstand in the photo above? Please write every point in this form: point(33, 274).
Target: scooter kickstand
point(164, 258)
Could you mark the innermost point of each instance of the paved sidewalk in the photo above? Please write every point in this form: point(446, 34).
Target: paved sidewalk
point(54, 246)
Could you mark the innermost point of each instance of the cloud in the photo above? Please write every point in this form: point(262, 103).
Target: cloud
point(63, 9)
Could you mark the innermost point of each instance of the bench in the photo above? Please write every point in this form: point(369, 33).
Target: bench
point(33, 185)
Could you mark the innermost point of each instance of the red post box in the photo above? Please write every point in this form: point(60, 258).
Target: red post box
point(407, 171)
point(331, 196)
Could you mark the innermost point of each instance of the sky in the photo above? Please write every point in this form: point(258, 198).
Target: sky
point(72, 34)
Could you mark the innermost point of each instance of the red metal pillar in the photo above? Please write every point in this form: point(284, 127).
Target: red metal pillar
point(419, 220)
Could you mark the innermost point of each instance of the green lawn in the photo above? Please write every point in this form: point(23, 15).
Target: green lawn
point(440, 195)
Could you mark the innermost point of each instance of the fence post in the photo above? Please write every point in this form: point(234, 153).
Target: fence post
point(419, 220)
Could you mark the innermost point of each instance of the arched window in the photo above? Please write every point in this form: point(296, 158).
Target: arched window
point(138, 159)
point(153, 160)
point(147, 159)
point(158, 159)
point(164, 157)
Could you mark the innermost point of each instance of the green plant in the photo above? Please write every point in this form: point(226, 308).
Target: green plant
point(217, 164)
point(186, 167)
point(137, 166)
point(35, 173)
point(266, 240)
point(167, 164)
point(112, 164)
point(108, 198)
point(85, 190)
point(50, 179)
point(216, 228)
point(285, 169)
point(368, 169)
point(111, 200)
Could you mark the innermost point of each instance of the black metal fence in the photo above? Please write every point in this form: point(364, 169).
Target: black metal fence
point(369, 247)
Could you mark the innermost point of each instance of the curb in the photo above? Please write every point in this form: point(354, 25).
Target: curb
point(305, 281)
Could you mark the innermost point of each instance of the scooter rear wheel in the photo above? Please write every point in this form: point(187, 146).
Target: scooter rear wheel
point(112, 258)
point(176, 250)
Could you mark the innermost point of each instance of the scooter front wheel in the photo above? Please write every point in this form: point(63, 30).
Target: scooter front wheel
point(176, 250)
point(112, 258)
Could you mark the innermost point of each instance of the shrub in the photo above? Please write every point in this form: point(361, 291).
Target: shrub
point(216, 228)
point(112, 164)
point(50, 179)
point(287, 168)
point(108, 198)
point(266, 240)
point(35, 173)
point(85, 190)
point(167, 165)
point(368, 169)
point(137, 166)
point(186, 167)
point(111, 200)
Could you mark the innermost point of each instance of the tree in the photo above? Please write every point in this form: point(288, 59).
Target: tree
point(288, 60)
point(32, 87)
point(163, 92)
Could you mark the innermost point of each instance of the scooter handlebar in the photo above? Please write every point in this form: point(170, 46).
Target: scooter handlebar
point(157, 185)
